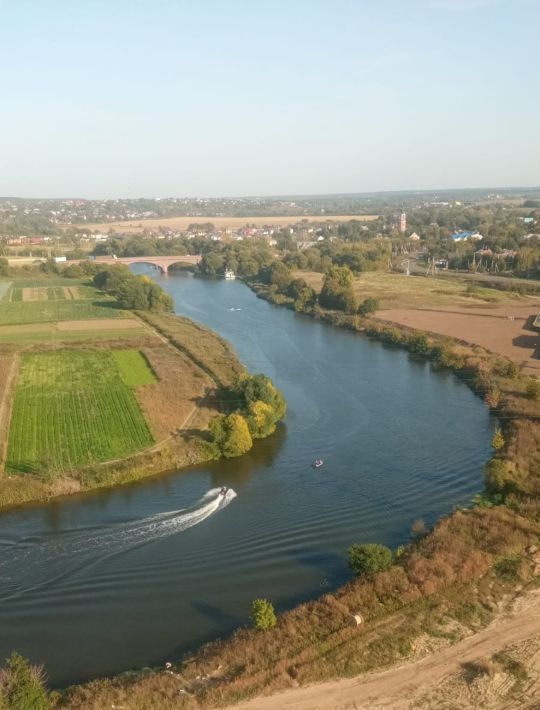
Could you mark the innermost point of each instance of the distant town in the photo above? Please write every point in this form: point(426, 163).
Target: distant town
point(480, 230)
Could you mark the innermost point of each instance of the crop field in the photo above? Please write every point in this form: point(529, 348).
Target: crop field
point(15, 312)
point(4, 289)
point(72, 408)
point(182, 223)
point(133, 367)
point(69, 331)
point(48, 290)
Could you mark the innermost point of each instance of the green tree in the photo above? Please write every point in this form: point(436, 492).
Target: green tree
point(305, 300)
point(337, 291)
point(369, 558)
point(4, 266)
point(261, 388)
point(231, 435)
point(73, 271)
point(261, 419)
point(212, 264)
point(23, 685)
point(262, 614)
point(49, 266)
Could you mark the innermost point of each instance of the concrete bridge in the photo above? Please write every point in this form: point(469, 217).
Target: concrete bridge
point(163, 263)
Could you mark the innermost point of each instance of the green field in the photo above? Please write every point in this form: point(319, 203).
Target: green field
point(14, 312)
point(49, 333)
point(62, 299)
point(4, 289)
point(73, 408)
point(134, 368)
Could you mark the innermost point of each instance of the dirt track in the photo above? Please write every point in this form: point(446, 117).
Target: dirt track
point(397, 688)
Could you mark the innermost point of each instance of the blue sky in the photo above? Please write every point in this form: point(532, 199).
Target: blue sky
point(113, 98)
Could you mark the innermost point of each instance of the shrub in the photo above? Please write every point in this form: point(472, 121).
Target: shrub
point(369, 558)
point(498, 441)
point(508, 369)
point(496, 476)
point(22, 685)
point(369, 305)
point(262, 614)
point(392, 335)
point(508, 568)
point(493, 397)
point(533, 390)
point(418, 343)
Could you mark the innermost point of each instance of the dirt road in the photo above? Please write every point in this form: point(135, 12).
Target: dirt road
point(396, 689)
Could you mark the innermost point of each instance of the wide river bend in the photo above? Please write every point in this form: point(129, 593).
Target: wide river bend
point(134, 576)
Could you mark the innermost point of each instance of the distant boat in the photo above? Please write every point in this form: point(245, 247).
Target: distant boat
point(317, 463)
point(230, 275)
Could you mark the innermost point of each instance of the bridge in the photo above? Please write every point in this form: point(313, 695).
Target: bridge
point(163, 263)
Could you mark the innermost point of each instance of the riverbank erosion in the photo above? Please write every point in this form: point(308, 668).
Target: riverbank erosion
point(445, 585)
point(88, 403)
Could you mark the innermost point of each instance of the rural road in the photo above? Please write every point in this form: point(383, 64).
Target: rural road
point(397, 687)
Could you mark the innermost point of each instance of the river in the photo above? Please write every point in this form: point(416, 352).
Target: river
point(100, 583)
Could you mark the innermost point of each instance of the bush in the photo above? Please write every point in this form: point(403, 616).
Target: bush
point(498, 441)
point(533, 390)
point(508, 369)
point(419, 344)
point(369, 558)
point(496, 476)
point(370, 305)
point(508, 568)
point(391, 335)
point(262, 614)
point(22, 686)
point(492, 397)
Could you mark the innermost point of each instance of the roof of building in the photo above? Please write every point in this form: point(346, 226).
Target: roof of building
point(458, 236)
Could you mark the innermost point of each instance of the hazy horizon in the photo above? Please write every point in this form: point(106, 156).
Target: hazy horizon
point(480, 188)
point(167, 98)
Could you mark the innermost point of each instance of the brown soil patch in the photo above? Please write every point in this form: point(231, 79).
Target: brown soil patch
point(504, 330)
point(182, 396)
point(71, 293)
point(403, 687)
point(182, 223)
point(98, 324)
point(25, 328)
point(35, 294)
point(8, 372)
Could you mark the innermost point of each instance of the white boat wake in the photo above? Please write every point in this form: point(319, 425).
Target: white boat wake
point(36, 562)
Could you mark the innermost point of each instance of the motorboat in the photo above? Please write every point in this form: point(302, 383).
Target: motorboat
point(223, 491)
point(230, 275)
point(317, 463)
